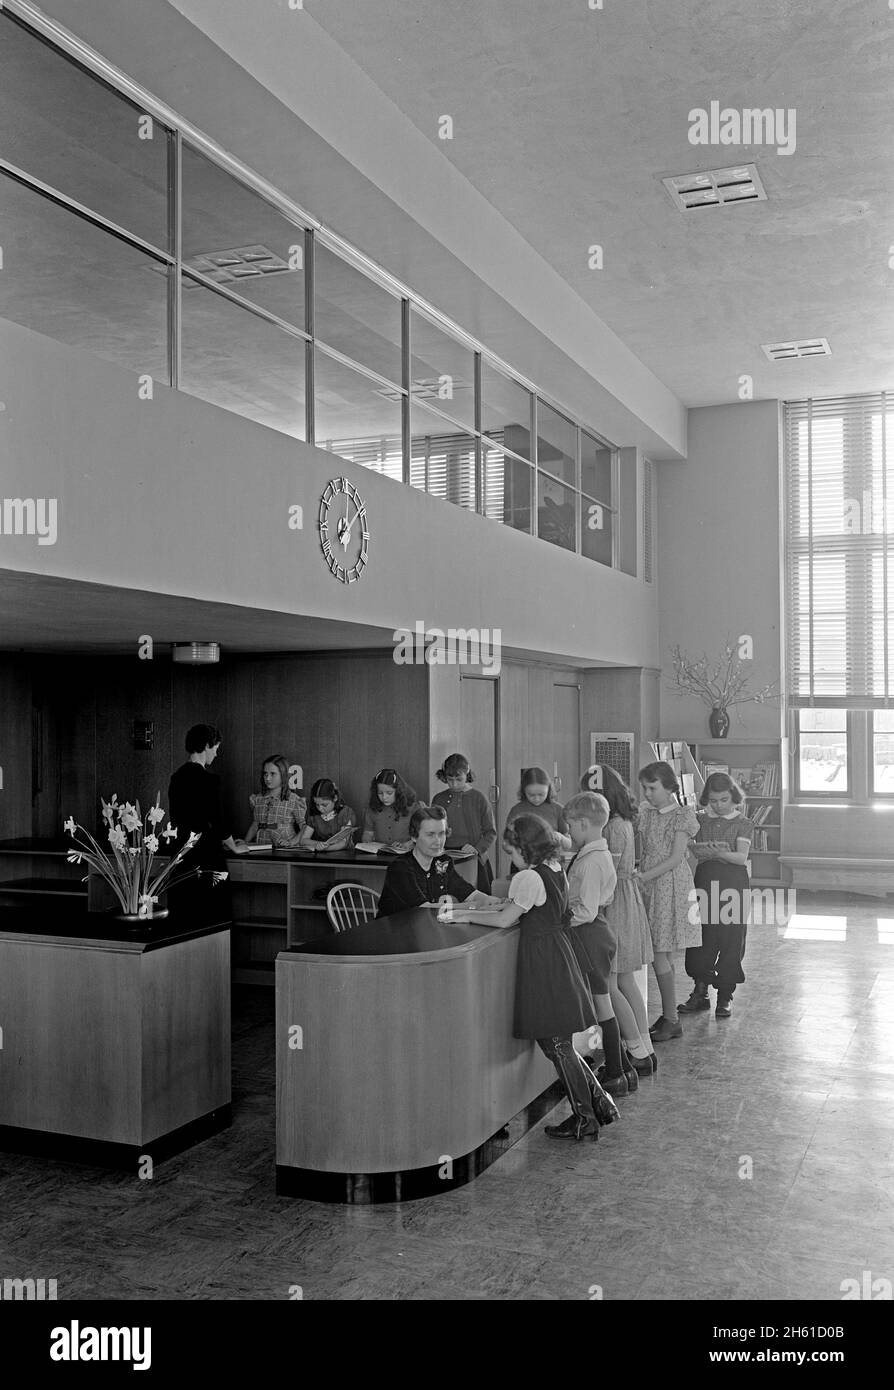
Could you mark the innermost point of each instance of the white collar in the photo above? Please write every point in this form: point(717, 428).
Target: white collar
point(591, 845)
point(663, 810)
point(730, 815)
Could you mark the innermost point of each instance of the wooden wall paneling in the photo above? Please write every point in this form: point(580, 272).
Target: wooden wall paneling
point(383, 722)
point(612, 702)
point(541, 719)
point(15, 748)
point(128, 689)
point(513, 752)
point(76, 725)
point(295, 712)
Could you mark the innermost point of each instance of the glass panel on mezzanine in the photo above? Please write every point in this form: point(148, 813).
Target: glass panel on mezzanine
point(556, 512)
point(595, 469)
point(67, 278)
point(240, 361)
point(356, 417)
point(356, 316)
point(442, 459)
point(236, 238)
point(508, 489)
point(64, 127)
point(442, 371)
point(505, 411)
point(556, 445)
point(596, 524)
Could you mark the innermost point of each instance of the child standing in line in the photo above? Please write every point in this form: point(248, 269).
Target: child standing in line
point(666, 828)
point(278, 815)
point(470, 821)
point(330, 823)
point(626, 915)
point(591, 884)
point(552, 1000)
point(721, 847)
point(537, 797)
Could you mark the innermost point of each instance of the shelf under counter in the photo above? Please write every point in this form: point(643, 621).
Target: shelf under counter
point(278, 900)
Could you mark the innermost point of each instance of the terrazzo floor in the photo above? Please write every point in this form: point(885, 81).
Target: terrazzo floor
point(797, 1089)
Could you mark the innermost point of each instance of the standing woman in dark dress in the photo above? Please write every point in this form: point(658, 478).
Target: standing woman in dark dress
point(194, 806)
point(552, 999)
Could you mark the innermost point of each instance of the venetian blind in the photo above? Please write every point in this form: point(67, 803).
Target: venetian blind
point(839, 549)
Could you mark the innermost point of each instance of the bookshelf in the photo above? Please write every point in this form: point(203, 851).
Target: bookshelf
point(759, 766)
point(678, 755)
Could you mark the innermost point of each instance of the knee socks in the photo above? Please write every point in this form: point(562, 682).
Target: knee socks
point(668, 988)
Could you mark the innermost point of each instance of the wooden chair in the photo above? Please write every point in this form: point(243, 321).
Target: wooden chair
point(349, 904)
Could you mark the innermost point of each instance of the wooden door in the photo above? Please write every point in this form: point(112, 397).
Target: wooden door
point(479, 737)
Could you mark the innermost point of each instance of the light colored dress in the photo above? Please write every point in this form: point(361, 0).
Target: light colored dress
point(626, 914)
point(670, 900)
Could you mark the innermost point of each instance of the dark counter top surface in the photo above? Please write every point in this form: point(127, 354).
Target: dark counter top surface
point(329, 856)
point(25, 845)
point(403, 934)
point(75, 924)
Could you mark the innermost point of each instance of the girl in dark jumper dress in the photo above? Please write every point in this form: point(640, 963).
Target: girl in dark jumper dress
point(552, 999)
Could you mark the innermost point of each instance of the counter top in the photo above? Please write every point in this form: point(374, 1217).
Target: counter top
point(76, 926)
point(415, 932)
point(332, 856)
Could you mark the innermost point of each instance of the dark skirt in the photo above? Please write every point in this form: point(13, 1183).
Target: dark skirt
point(552, 998)
point(485, 876)
point(594, 946)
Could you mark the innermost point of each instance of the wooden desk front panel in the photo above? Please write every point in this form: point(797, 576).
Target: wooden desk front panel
point(70, 1062)
point(116, 1045)
point(405, 1061)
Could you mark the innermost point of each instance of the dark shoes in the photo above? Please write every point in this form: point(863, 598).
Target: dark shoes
point(615, 1089)
point(644, 1066)
point(724, 1006)
point(573, 1128)
point(697, 1001)
point(667, 1028)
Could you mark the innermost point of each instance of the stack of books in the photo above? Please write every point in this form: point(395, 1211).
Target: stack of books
point(762, 780)
point(674, 754)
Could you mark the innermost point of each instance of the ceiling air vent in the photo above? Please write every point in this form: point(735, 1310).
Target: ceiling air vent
point(227, 267)
point(716, 188)
point(425, 389)
point(804, 347)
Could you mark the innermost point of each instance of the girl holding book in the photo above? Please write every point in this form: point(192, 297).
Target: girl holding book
point(386, 819)
point(552, 999)
point(470, 821)
point(721, 881)
point(537, 797)
point(665, 878)
point(330, 823)
point(278, 815)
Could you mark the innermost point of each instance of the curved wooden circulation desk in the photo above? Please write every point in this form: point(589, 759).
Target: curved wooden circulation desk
point(396, 1068)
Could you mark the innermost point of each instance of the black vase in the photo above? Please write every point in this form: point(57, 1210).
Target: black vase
point(718, 721)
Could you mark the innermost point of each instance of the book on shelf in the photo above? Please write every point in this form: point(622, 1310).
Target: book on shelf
point(715, 767)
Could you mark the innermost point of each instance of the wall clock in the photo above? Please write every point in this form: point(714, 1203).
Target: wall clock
point(344, 530)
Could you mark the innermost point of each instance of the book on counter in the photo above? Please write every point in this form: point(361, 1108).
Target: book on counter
point(378, 847)
point(258, 849)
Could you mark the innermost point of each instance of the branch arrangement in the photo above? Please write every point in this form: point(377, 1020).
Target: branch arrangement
point(719, 686)
point(135, 841)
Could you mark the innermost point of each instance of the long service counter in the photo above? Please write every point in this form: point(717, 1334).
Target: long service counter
point(396, 1068)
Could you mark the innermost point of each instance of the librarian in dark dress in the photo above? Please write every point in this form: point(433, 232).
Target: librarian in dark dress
point(194, 807)
point(426, 874)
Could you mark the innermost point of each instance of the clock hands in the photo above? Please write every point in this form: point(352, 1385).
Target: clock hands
point(344, 527)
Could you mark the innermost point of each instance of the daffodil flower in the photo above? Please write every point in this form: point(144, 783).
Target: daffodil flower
point(117, 838)
point(170, 833)
point(151, 843)
point(70, 825)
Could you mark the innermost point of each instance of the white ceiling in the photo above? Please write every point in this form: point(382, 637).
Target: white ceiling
point(567, 119)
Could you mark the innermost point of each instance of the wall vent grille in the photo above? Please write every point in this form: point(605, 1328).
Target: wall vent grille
point(716, 188)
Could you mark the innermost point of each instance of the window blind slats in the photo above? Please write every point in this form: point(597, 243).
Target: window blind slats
point(839, 556)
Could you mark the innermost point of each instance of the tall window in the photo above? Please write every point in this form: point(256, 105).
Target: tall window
point(839, 593)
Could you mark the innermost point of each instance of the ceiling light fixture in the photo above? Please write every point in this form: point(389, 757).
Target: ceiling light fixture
point(716, 188)
point(196, 653)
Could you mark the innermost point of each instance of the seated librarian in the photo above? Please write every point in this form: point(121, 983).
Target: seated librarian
point(386, 820)
point(330, 823)
point(278, 815)
point(424, 878)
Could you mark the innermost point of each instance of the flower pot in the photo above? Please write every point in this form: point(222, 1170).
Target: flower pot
point(718, 722)
point(140, 917)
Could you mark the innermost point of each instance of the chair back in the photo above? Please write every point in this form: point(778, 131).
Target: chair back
point(349, 904)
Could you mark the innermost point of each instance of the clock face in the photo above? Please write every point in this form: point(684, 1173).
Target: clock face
point(344, 530)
